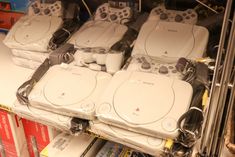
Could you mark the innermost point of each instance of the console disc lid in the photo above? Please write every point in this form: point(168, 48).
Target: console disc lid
point(33, 29)
point(170, 41)
point(99, 34)
point(144, 99)
point(69, 88)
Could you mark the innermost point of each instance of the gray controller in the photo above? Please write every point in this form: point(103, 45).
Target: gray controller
point(107, 13)
point(188, 16)
point(38, 8)
point(148, 64)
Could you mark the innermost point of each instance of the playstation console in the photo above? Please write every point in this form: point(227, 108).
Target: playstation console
point(30, 35)
point(145, 103)
point(95, 38)
point(69, 90)
point(26, 63)
point(140, 142)
point(30, 55)
point(164, 38)
point(48, 118)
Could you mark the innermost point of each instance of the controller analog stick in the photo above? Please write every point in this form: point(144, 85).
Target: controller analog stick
point(36, 10)
point(103, 15)
point(163, 16)
point(145, 65)
point(113, 17)
point(47, 11)
point(163, 70)
point(178, 18)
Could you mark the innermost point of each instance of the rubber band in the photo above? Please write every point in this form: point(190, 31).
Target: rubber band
point(195, 108)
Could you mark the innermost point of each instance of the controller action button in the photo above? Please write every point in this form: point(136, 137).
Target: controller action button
point(103, 15)
point(189, 11)
point(126, 14)
point(163, 16)
point(163, 70)
point(113, 17)
point(184, 14)
point(47, 11)
point(187, 17)
point(145, 65)
point(124, 11)
point(193, 15)
point(178, 18)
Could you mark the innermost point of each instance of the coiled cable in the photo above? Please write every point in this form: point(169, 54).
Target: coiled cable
point(190, 123)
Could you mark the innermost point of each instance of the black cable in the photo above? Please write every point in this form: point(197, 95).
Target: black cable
point(190, 123)
point(64, 33)
point(126, 41)
point(24, 90)
point(63, 54)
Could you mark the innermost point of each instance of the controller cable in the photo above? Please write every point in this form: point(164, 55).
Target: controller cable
point(64, 33)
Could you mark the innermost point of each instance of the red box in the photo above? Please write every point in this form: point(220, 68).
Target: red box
point(5, 6)
point(12, 139)
point(8, 19)
point(38, 136)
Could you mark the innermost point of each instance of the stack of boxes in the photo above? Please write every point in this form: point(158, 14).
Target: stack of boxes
point(10, 12)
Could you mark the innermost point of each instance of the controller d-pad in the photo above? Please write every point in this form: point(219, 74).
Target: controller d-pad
point(163, 16)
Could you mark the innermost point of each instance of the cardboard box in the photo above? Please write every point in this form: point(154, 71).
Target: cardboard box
point(38, 136)
point(12, 138)
point(65, 145)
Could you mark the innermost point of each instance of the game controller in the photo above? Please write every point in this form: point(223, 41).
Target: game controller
point(54, 9)
point(107, 13)
point(188, 16)
point(95, 58)
point(148, 64)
